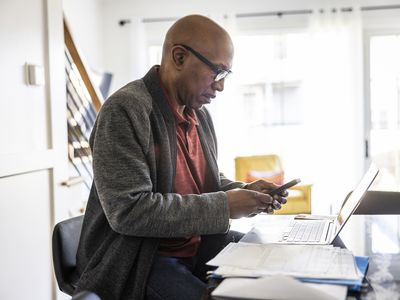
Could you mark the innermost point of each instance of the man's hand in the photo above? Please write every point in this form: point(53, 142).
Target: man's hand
point(243, 203)
point(263, 186)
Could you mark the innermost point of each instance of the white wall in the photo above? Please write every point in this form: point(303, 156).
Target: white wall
point(85, 21)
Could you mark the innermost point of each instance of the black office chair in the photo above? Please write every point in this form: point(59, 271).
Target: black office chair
point(65, 242)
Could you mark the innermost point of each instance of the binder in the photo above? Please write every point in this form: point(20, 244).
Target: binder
point(362, 263)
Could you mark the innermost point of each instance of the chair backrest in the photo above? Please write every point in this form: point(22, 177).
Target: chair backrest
point(65, 242)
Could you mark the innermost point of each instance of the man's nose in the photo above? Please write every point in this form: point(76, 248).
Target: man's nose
point(219, 85)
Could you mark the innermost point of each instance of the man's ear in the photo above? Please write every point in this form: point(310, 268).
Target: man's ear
point(178, 56)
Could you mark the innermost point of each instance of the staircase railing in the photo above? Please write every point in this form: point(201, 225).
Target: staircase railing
point(83, 102)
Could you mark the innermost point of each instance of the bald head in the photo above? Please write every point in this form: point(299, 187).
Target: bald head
point(196, 52)
point(198, 32)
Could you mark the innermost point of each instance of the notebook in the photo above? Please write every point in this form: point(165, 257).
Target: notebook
point(305, 229)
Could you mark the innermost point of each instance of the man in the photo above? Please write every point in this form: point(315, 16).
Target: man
point(159, 208)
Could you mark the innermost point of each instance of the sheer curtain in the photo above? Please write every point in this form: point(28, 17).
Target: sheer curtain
point(334, 109)
point(225, 110)
point(138, 65)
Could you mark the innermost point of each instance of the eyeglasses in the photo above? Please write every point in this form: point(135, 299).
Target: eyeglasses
point(219, 72)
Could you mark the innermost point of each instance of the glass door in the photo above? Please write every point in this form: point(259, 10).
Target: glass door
point(383, 87)
point(384, 91)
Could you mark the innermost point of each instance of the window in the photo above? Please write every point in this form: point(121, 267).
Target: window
point(269, 70)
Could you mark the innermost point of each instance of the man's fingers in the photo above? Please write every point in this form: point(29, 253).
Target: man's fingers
point(276, 205)
point(263, 198)
point(280, 199)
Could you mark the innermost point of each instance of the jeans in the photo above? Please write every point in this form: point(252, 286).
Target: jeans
point(176, 278)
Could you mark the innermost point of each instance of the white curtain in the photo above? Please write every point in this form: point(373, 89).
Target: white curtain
point(138, 51)
point(225, 110)
point(334, 105)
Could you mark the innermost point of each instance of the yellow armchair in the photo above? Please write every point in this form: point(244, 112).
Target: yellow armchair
point(269, 167)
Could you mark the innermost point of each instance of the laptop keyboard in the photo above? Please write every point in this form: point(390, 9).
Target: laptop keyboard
point(308, 231)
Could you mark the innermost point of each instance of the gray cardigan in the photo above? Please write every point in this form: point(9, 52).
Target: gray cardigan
point(131, 204)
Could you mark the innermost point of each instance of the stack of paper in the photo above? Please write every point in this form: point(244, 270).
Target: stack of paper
point(301, 261)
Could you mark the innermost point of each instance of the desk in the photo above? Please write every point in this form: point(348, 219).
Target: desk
point(376, 236)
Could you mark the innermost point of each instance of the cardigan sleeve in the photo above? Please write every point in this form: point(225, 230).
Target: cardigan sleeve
point(227, 184)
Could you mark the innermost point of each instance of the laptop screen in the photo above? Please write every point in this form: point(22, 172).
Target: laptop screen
point(356, 196)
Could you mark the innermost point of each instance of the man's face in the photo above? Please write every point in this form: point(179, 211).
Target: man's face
point(198, 85)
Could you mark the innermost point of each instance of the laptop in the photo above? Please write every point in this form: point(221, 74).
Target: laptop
point(308, 229)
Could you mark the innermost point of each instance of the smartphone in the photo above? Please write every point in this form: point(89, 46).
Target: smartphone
point(284, 187)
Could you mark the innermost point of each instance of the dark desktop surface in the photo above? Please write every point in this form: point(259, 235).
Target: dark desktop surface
point(379, 203)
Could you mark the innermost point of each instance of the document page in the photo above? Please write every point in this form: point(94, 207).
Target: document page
point(303, 261)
